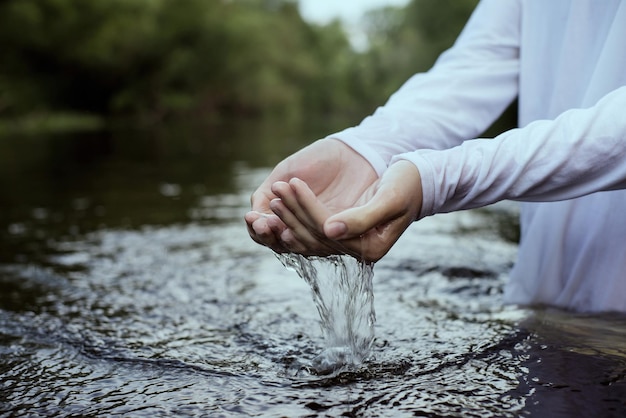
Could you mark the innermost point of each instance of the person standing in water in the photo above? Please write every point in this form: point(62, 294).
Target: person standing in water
point(357, 190)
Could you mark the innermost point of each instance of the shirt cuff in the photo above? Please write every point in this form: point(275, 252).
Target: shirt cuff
point(427, 175)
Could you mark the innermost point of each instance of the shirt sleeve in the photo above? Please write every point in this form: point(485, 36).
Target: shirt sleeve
point(466, 90)
point(580, 152)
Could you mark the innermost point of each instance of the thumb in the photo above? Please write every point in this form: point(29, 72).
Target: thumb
point(399, 195)
point(354, 222)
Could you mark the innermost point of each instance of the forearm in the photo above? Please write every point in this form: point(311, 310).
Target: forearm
point(581, 152)
point(466, 90)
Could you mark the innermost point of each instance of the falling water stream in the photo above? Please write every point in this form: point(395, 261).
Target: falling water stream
point(343, 293)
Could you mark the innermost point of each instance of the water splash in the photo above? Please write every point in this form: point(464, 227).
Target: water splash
point(344, 297)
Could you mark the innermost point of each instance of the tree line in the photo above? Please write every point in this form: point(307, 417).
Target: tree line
point(158, 59)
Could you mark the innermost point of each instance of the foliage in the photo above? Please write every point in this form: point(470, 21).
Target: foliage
point(150, 59)
point(406, 40)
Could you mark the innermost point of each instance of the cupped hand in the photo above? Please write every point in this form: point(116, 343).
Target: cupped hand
point(336, 174)
point(366, 230)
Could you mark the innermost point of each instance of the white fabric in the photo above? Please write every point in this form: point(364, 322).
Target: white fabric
point(566, 59)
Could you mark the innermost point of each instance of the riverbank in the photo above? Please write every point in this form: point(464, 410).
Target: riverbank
point(51, 122)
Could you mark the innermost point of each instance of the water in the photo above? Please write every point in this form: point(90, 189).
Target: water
point(129, 287)
point(343, 293)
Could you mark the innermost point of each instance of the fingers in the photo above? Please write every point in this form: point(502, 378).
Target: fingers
point(297, 231)
point(299, 236)
point(304, 215)
point(274, 225)
point(264, 227)
point(304, 204)
point(266, 230)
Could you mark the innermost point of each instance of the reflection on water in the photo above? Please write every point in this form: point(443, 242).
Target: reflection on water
point(130, 287)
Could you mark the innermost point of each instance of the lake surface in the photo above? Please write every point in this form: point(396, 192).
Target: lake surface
point(129, 287)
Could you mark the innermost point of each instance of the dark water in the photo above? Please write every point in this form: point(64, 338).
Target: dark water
point(129, 287)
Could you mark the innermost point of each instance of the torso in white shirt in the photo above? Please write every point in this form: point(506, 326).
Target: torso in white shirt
point(572, 253)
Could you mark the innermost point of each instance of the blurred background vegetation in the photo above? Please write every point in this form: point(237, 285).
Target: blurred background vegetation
point(144, 62)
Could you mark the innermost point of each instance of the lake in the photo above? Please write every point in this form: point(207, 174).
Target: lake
point(130, 287)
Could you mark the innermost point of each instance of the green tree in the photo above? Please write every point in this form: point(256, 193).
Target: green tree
point(407, 40)
point(150, 59)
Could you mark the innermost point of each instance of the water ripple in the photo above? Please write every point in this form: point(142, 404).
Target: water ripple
point(196, 320)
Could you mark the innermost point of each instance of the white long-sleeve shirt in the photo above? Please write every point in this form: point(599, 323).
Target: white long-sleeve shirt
point(566, 60)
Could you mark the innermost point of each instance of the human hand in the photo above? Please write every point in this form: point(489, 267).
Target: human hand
point(367, 230)
point(334, 172)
